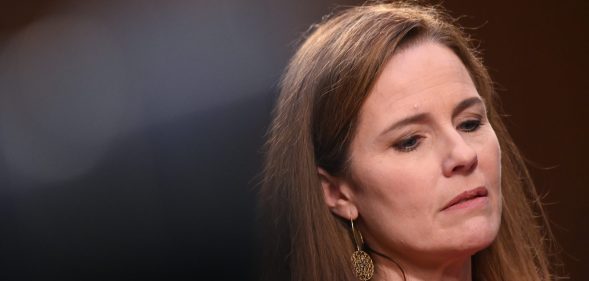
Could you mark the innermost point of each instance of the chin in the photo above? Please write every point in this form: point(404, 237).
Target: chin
point(469, 237)
point(477, 237)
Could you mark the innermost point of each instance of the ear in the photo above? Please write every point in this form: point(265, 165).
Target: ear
point(338, 195)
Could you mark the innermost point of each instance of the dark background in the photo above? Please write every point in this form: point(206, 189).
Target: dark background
point(130, 131)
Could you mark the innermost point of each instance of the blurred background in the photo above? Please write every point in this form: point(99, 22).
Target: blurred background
point(131, 131)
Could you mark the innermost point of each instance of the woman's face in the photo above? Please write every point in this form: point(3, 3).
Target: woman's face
point(422, 141)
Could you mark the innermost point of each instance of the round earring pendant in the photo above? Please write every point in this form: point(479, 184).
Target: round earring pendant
point(363, 266)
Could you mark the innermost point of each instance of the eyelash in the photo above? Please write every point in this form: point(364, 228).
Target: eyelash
point(473, 125)
point(408, 144)
point(412, 142)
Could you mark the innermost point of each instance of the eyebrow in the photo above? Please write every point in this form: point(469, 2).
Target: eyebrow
point(466, 104)
point(421, 117)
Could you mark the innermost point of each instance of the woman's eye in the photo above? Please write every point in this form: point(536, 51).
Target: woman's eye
point(470, 125)
point(408, 144)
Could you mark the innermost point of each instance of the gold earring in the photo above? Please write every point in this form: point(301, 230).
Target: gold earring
point(361, 261)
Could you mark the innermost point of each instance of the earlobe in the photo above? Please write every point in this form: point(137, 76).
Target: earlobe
point(338, 195)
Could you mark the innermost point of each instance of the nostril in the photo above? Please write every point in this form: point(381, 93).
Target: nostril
point(467, 165)
point(462, 159)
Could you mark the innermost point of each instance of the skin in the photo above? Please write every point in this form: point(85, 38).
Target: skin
point(402, 176)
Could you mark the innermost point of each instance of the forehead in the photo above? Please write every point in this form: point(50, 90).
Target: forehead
point(427, 74)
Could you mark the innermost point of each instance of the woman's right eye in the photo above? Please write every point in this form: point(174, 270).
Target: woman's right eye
point(408, 144)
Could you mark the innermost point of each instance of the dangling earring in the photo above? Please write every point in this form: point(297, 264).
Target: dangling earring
point(361, 261)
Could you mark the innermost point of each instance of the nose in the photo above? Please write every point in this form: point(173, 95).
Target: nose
point(460, 158)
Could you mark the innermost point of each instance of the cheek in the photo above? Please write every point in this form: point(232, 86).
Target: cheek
point(395, 190)
point(395, 202)
point(490, 164)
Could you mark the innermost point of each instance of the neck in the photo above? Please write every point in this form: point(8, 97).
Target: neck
point(388, 269)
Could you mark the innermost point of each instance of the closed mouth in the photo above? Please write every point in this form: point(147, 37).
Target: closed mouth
point(467, 195)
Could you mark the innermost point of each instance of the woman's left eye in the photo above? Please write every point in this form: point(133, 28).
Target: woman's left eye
point(470, 125)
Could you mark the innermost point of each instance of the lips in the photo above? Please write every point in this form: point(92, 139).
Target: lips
point(466, 196)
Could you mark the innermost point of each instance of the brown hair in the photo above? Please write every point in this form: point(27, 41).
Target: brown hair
point(322, 91)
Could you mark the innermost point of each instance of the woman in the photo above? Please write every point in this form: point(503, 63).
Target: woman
point(387, 159)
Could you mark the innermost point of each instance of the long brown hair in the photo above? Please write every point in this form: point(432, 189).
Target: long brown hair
point(322, 91)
